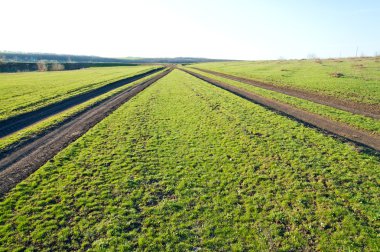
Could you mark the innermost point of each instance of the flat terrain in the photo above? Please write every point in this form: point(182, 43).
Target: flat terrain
point(311, 119)
point(23, 161)
point(361, 122)
point(25, 92)
point(61, 113)
point(185, 165)
point(21, 121)
point(359, 82)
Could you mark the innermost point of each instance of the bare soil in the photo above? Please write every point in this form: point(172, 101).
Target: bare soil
point(370, 110)
point(336, 128)
point(24, 161)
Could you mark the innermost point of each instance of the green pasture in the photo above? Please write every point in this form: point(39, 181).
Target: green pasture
point(186, 166)
point(359, 82)
point(27, 91)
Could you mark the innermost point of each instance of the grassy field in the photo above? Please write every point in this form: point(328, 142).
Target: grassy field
point(360, 81)
point(358, 121)
point(36, 129)
point(188, 166)
point(24, 92)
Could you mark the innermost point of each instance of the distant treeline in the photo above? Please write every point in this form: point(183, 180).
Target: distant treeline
point(55, 66)
point(179, 60)
point(49, 57)
point(62, 58)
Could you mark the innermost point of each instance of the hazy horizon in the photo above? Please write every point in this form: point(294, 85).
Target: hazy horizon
point(311, 56)
point(235, 30)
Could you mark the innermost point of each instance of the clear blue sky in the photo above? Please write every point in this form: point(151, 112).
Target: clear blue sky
point(234, 29)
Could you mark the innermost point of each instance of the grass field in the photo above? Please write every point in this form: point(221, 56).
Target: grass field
point(358, 121)
point(36, 129)
point(188, 166)
point(24, 92)
point(360, 81)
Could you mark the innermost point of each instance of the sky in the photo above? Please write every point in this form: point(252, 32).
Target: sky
point(221, 29)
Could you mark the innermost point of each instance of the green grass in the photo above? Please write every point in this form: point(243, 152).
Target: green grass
point(360, 83)
point(358, 121)
point(188, 166)
point(37, 128)
point(25, 92)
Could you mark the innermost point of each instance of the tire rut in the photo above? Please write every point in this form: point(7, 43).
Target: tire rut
point(352, 107)
point(341, 130)
point(19, 122)
point(22, 162)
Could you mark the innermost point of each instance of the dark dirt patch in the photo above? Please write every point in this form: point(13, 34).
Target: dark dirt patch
point(337, 75)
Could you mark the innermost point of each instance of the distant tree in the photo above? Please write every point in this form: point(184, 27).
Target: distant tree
point(57, 67)
point(314, 57)
point(41, 65)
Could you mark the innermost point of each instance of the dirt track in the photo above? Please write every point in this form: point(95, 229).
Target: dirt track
point(336, 128)
point(23, 162)
point(19, 122)
point(356, 108)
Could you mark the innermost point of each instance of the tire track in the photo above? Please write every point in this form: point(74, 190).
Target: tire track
point(16, 123)
point(24, 161)
point(339, 129)
point(355, 108)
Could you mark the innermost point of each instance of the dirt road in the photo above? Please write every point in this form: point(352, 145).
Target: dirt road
point(19, 122)
point(24, 161)
point(339, 129)
point(355, 108)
